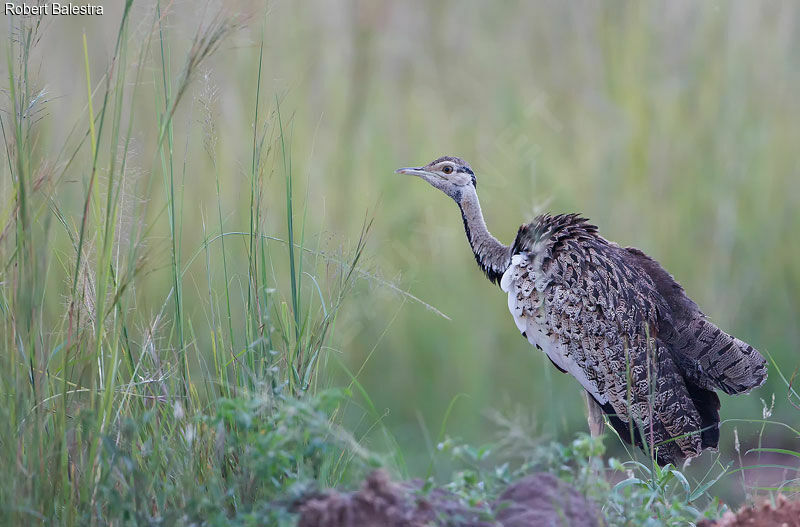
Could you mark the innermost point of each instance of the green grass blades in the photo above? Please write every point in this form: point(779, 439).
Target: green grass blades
point(123, 404)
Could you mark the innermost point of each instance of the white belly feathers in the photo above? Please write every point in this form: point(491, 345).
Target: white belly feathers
point(525, 301)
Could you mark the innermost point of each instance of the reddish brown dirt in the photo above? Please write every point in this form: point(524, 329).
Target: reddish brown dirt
point(785, 513)
point(541, 500)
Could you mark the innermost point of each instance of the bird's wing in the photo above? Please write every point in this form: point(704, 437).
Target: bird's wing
point(572, 294)
point(708, 356)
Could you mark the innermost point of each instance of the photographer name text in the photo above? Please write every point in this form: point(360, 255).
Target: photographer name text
point(53, 8)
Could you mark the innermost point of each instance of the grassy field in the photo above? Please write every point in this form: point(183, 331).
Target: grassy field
point(215, 293)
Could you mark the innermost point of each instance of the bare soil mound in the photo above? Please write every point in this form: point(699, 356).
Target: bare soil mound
point(785, 513)
point(541, 500)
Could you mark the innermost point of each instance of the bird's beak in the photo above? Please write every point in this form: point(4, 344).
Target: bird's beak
point(412, 171)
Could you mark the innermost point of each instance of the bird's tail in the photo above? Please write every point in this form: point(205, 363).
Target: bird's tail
point(718, 360)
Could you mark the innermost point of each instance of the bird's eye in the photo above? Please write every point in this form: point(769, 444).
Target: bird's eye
point(448, 169)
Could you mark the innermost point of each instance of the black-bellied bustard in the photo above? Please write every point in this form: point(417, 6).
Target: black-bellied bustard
point(614, 319)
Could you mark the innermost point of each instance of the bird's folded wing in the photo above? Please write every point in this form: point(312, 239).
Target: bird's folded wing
point(708, 356)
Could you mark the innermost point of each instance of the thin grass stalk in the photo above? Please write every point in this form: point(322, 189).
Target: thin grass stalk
point(25, 279)
point(19, 302)
point(261, 291)
point(99, 322)
point(294, 376)
point(105, 233)
point(114, 200)
point(252, 270)
point(219, 371)
point(168, 172)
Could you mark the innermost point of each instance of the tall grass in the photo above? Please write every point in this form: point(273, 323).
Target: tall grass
point(114, 414)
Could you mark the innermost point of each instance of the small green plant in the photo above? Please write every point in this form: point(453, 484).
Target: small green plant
point(658, 496)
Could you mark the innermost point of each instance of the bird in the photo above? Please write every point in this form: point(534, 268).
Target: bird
point(647, 357)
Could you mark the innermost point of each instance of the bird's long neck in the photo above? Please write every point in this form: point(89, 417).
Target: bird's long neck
point(492, 256)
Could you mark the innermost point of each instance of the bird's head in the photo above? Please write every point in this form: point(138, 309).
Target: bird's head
point(451, 175)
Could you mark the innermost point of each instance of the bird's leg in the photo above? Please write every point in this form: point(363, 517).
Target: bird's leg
point(596, 427)
point(596, 423)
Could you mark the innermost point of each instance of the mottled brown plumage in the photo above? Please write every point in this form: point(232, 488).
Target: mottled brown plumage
point(614, 319)
point(648, 355)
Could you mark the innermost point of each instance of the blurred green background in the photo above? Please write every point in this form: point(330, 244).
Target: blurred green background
point(674, 126)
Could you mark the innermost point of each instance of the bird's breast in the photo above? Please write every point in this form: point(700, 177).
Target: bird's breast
point(526, 302)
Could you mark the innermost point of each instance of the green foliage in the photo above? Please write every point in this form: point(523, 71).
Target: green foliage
point(645, 496)
point(243, 464)
point(657, 496)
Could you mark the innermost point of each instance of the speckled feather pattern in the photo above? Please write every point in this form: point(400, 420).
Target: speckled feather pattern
point(620, 324)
